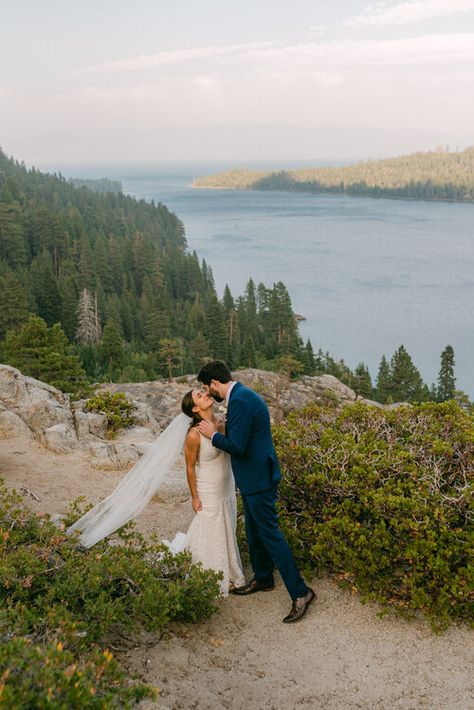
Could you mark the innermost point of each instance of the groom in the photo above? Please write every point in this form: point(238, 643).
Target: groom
point(256, 470)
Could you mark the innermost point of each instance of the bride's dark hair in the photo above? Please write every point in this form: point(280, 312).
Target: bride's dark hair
point(187, 406)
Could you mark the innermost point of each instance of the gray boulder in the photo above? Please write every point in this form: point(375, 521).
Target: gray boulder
point(40, 414)
point(12, 386)
point(81, 424)
point(112, 457)
point(12, 425)
point(60, 439)
point(97, 424)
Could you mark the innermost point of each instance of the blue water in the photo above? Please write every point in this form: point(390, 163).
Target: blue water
point(368, 275)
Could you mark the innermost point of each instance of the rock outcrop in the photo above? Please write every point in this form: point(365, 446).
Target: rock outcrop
point(36, 410)
point(164, 398)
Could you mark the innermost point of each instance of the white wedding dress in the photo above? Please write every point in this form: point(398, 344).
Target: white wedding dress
point(211, 537)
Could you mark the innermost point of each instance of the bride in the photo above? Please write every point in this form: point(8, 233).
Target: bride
point(211, 537)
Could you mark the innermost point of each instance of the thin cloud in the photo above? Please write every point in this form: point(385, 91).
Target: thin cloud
point(412, 11)
point(276, 79)
point(148, 61)
point(439, 48)
point(267, 58)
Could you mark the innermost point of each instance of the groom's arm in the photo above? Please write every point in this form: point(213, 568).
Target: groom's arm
point(239, 423)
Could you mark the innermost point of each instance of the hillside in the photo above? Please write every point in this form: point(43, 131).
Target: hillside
point(436, 175)
point(116, 274)
point(362, 660)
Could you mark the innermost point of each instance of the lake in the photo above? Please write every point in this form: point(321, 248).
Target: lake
point(367, 274)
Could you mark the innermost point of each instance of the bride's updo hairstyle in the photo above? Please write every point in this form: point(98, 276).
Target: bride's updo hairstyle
point(187, 406)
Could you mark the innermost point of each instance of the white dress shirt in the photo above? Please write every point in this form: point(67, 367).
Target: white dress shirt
point(227, 397)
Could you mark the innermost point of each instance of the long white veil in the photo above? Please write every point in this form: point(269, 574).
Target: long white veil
point(137, 487)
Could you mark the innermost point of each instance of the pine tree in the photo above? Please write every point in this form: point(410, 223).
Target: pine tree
point(384, 382)
point(13, 303)
point(89, 356)
point(282, 321)
point(12, 243)
point(446, 378)
point(113, 310)
point(198, 351)
point(308, 359)
point(232, 328)
point(128, 315)
point(406, 382)
point(215, 331)
point(251, 309)
point(170, 354)
point(112, 349)
point(289, 366)
point(320, 363)
point(207, 276)
point(86, 266)
point(195, 320)
point(264, 318)
point(69, 303)
point(45, 289)
point(102, 263)
point(46, 354)
point(228, 301)
point(361, 381)
point(433, 397)
point(248, 356)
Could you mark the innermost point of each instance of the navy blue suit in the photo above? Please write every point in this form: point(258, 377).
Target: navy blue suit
point(248, 440)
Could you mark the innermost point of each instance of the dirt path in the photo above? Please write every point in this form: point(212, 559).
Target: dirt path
point(341, 656)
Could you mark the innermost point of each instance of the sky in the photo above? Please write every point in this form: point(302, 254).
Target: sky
point(155, 80)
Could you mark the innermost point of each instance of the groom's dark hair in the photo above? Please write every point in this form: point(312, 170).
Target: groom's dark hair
point(214, 370)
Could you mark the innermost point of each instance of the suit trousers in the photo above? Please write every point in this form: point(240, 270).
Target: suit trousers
point(268, 547)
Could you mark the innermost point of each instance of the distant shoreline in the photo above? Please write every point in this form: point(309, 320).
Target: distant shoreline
point(440, 176)
point(215, 188)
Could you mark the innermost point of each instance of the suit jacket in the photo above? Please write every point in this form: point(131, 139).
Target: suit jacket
point(248, 440)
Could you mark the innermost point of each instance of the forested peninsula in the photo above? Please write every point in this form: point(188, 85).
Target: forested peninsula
point(438, 175)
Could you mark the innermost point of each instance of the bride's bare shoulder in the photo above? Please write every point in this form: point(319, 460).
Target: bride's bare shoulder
point(193, 435)
point(192, 444)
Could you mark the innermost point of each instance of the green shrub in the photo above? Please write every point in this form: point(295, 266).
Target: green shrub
point(63, 607)
point(383, 499)
point(116, 407)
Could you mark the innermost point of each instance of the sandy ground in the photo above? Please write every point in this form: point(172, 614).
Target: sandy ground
point(341, 655)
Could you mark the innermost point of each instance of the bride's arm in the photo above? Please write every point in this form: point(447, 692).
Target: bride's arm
point(191, 453)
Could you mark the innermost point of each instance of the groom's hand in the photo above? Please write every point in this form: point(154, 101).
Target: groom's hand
point(207, 429)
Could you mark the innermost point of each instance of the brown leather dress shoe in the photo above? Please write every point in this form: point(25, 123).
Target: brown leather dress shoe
point(300, 607)
point(254, 586)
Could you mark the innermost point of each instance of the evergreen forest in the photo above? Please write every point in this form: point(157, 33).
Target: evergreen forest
point(115, 273)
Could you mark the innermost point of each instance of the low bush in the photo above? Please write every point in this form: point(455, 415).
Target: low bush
point(116, 407)
point(63, 608)
point(384, 500)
